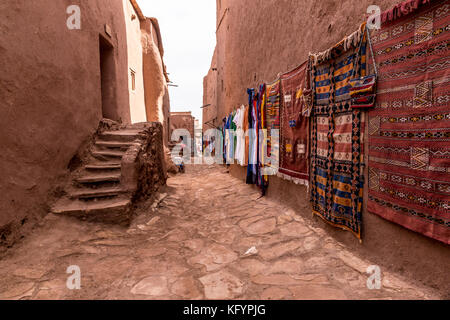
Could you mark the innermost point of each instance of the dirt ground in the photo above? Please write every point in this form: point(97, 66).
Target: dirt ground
point(206, 235)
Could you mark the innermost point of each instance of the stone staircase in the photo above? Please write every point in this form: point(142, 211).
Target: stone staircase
point(102, 189)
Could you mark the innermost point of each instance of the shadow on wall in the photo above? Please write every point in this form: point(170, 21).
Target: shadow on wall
point(108, 83)
point(52, 97)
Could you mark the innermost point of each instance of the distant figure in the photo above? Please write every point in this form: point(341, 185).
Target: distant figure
point(179, 163)
point(179, 160)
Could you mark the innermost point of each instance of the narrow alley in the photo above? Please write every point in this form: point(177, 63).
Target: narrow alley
point(206, 235)
point(235, 154)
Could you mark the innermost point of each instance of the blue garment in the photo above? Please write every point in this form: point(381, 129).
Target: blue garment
point(225, 121)
point(252, 168)
point(230, 136)
point(227, 138)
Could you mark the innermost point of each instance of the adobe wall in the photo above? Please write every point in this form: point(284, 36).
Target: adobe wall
point(166, 113)
point(155, 83)
point(257, 39)
point(209, 110)
point(50, 97)
point(135, 63)
point(182, 120)
point(152, 167)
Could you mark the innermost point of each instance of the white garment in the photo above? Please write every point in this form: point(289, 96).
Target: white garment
point(240, 135)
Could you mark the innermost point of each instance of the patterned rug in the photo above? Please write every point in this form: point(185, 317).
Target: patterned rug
point(336, 152)
point(294, 141)
point(409, 128)
point(271, 121)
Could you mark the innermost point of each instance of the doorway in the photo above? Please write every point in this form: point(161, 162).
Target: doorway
point(108, 79)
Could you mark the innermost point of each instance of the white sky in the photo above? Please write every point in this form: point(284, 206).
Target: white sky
point(188, 30)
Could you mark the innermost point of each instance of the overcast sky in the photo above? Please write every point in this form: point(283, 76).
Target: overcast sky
point(189, 37)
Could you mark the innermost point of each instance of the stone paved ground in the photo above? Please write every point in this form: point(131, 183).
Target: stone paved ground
point(192, 245)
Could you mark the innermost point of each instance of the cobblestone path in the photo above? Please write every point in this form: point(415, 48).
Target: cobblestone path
point(206, 236)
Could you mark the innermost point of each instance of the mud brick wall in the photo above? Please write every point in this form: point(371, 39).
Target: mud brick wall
point(50, 98)
point(151, 163)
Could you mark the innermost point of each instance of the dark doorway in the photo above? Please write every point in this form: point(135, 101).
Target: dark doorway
point(108, 79)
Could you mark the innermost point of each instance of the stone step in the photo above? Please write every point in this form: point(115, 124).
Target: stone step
point(88, 194)
point(115, 210)
point(114, 144)
point(103, 166)
point(105, 154)
point(127, 135)
point(99, 177)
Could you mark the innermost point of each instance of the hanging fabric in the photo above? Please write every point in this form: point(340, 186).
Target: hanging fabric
point(363, 89)
point(337, 149)
point(272, 124)
point(238, 120)
point(262, 138)
point(295, 111)
point(409, 135)
point(252, 168)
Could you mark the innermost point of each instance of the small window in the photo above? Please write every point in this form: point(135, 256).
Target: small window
point(133, 79)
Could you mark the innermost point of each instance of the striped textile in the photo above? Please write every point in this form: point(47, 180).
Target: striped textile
point(409, 128)
point(336, 152)
point(271, 122)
